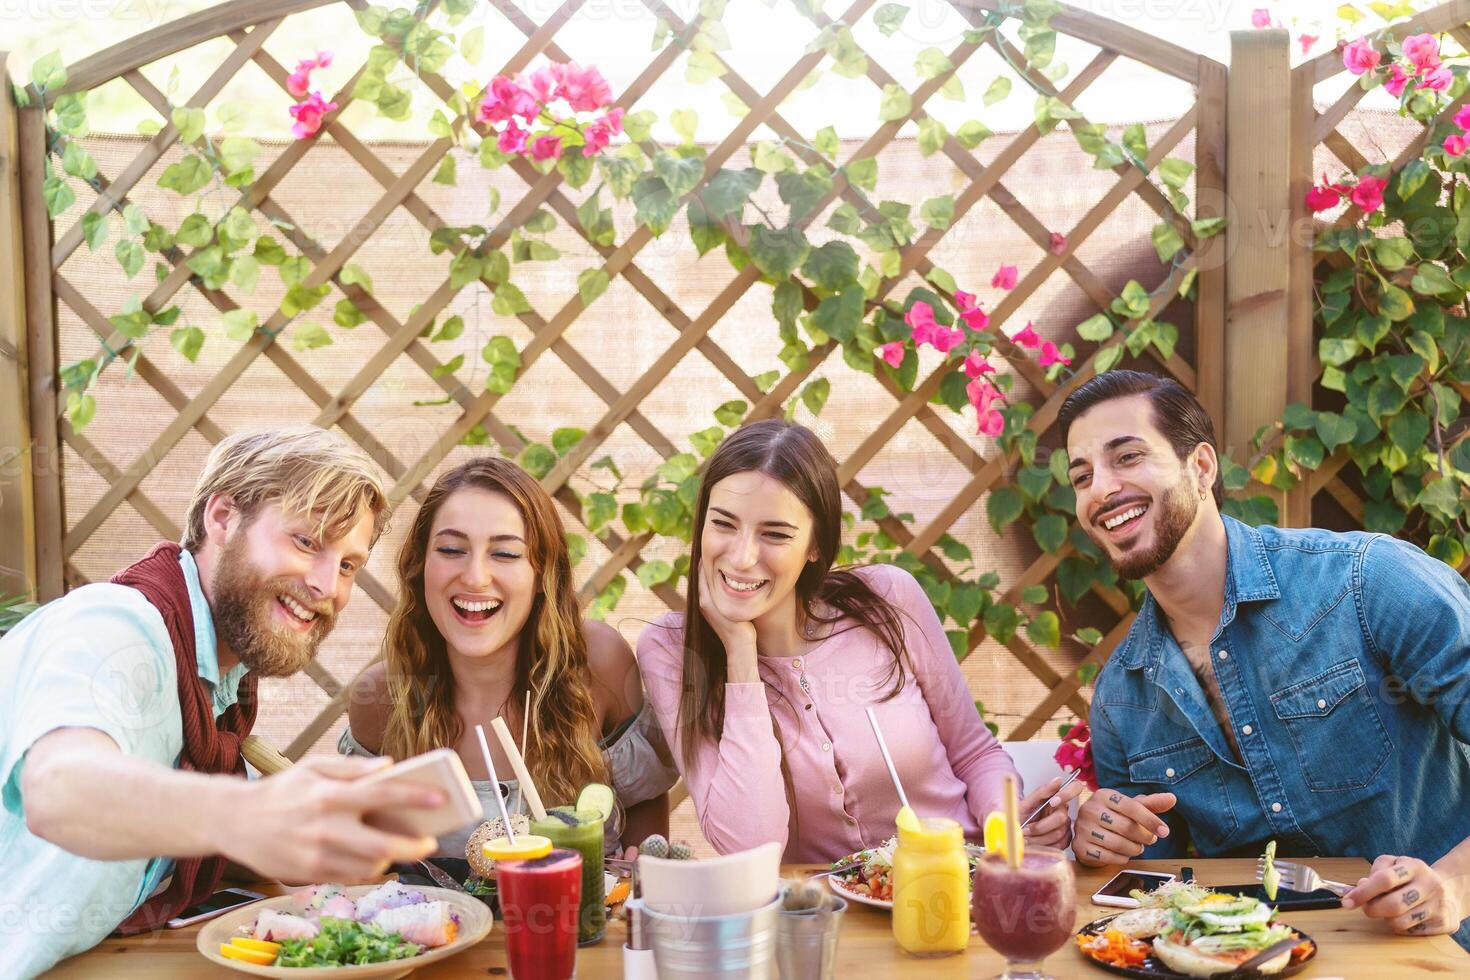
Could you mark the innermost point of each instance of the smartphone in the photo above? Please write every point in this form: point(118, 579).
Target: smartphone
point(217, 904)
point(440, 769)
point(1285, 900)
point(1118, 892)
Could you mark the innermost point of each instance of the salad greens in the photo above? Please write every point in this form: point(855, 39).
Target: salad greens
point(343, 942)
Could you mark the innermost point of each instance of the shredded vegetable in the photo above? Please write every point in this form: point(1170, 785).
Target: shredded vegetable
point(1114, 948)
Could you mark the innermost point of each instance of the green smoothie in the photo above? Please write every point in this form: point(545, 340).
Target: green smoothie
point(581, 830)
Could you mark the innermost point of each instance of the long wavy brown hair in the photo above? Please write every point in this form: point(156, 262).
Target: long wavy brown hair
point(825, 595)
point(563, 753)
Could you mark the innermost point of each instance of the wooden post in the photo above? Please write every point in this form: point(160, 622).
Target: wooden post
point(1258, 185)
point(1210, 193)
point(17, 511)
point(1301, 360)
point(45, 386)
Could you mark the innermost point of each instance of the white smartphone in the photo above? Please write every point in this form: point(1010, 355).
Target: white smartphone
point(1118, 893)
point(442, 770)
point(217, 904)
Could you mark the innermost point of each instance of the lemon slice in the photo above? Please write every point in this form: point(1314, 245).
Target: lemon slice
point(259, 945)
point(596, 796)
point(244, 955)
point(995, 833)
point(523, 848)
point(907, 820)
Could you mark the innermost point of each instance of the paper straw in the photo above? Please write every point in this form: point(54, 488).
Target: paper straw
point(887, 759)
point(1013, 823)
point(528, 788)
point(495, 782)
point(526, 747)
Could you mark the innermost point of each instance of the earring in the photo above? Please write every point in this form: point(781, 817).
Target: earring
point(1202, 493)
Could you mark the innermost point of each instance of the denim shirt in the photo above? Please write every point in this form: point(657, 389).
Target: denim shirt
point(1344, 663)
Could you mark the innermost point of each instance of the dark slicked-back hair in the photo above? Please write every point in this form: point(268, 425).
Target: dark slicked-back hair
point(1177, 413)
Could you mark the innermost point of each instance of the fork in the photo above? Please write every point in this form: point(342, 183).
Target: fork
point(1301, 878)
point(441, 877)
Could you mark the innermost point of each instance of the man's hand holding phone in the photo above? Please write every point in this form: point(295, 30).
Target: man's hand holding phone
point(1113, 827)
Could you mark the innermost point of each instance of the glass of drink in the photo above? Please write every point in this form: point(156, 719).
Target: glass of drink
point(1025, 913)
point(539, 899)
point(581, 831)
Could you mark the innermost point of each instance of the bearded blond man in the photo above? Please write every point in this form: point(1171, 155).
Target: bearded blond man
point(123, 705)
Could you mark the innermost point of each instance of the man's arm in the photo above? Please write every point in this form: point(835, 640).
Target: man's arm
point(1114, 825)
point(83, 794)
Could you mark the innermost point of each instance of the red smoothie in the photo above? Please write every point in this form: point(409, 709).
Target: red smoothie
point(1027, 913)
point(538, 901)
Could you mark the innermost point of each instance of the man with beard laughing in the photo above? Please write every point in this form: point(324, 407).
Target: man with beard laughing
point(123, 704)
point(1302, 686)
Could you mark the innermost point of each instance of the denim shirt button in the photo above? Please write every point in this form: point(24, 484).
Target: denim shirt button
point(1169, 773)
point(1275, 807)
point(1246, 730)
point(1321, 703)
point(1224, 655)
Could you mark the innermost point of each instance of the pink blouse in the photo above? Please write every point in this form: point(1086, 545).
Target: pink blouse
point(950, 764)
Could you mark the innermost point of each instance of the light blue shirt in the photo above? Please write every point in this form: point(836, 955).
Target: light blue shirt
point(98, 658)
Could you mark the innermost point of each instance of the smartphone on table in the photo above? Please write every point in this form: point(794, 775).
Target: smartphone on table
point(217, 904)
point(1118, 893)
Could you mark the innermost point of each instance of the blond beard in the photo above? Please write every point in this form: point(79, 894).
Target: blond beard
point(244, 619)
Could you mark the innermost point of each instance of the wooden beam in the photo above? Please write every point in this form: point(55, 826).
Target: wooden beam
point(1257, 185)
point(17, 499)
point(1209, 304)
point(43, 372)
point(1301, 353)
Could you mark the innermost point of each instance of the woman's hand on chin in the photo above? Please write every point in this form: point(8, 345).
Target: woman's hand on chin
point(738, 637)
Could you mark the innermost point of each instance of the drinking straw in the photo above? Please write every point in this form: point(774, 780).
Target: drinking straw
point(495, 781)
point(887, 759)
point(525, 733)
point(1013, 823)
point(528, 788)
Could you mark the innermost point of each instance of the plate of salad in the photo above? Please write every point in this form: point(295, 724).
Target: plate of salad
point(386, 930)
point(1183, 929)
point(871, 882)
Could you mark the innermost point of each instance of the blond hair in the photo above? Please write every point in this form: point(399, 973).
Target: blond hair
point(305, 469)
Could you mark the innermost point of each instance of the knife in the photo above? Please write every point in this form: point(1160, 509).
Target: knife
point(1264, 956)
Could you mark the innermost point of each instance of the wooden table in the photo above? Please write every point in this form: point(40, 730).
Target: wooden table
point(1350, 945)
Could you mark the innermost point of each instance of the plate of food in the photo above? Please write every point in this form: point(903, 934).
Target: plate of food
point(1185, 930)
point(871, 882)
point(386, 930)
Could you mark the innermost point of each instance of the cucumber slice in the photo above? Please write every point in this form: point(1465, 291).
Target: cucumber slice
point(596, 796)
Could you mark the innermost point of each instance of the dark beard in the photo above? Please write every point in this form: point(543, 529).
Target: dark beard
point(243, 617)
point(1173, 515)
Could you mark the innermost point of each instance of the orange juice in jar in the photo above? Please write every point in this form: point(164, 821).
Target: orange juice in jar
point(931, 888)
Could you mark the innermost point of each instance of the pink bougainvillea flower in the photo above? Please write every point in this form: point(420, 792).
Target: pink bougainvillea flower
point(299, 81)
point(1462, 118)
point(946, 339)
point(1396, 81)
point(1058, 243)
point(308, 115)
point(512, 139)
point(1323, 198)
point(584, 88)
point(1260, 17)
point(1075, 752)
point(543, 82)
point(601, 131)
point(1368, 193)
point(546, 148)
point(892, 353)
point(1423, 51)
point(1026, 337)
point(1004, 278)
point(1307, 41)
point(1437, 80)
point(981, 393)
point(990, 423)
point(970, 312)
point(920, 319)
point(976, 365)
point(1051, 355)
point(1359, 57)
point(507, 100)
point(1454, 145)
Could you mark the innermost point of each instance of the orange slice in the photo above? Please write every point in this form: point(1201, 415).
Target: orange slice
point(523, 848)
point(907, 820)
point(259, 945)
point(244, 955)
point(995, 833)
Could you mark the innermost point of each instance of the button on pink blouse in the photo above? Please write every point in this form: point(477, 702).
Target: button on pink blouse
point(811, 709)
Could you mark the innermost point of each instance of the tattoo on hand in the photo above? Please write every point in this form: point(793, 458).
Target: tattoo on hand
point(1421, 927)
point(1097, 835)
point(1401, 872)
point(1107, 818)
point(1094, 854)
point(1411, 896)
point(1114, 798)
point(1419, 915)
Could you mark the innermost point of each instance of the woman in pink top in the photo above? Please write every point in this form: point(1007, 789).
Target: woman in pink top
point(761, 686)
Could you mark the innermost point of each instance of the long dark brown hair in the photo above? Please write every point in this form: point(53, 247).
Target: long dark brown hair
point(793, 455)
point(551, 657)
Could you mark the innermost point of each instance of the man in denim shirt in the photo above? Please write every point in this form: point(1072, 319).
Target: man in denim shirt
point(1302, 686)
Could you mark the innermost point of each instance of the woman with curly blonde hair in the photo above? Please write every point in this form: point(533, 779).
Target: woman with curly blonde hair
point(487, 615)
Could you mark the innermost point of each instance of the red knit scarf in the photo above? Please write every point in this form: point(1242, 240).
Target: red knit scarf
point(210, 746)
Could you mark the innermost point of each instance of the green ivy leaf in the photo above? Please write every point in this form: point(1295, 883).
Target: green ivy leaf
point(1003, 506)
point(895, 104)
point(814, 395)
point(656, 205)
point(80, 409)
point(1050, 532)
point(130, 256)
point(1034, 594)
point(862, 173)
point(94, 229)
point(727, 191)
point(832, 266)
point(309, 336)
point(607, 599)
point(187, 341)
point(591, 283)
point(1001, 621)
point(966, 601)
point(1045, 629)
point(239, 324)
point(997, 90)
point(777, 254)
point(1334, 430)
point(1175, 173)
point(655, 572)
point(937, 212)
point(448, 367)
point(1096, 328)
point(76, 161)
point(509, 300)
point(538, 460)
point(1167, 240)
point(804, 191)
point(187, 175)
point(839, 316)
point(57, 194)
point(1432, 280)
point(889, 18)
point(932, 136)
point(48, 71)
point(932, 62)
point(599, 509)
point(972, 133)
point(1394, 303)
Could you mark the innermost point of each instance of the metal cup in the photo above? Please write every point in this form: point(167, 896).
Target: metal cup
point(720, 947)
point(806, 941)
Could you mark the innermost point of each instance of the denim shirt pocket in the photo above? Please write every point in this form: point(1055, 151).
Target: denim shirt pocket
point(1190, 771)
point(1335, 727)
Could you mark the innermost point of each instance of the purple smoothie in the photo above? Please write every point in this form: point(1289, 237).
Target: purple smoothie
point(1027, 913)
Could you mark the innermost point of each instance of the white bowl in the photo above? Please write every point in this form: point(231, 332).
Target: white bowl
point(731, 884)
